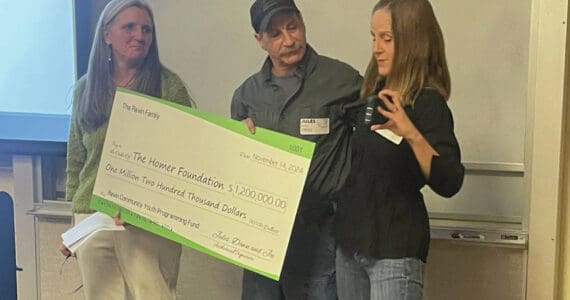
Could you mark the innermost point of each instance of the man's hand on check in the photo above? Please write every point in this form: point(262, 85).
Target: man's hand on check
point(250, 125)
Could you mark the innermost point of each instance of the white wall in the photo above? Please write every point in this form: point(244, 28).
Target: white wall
point(211, 44)
point(544, 156)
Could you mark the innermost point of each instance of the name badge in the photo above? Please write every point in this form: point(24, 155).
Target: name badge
point(317, 126)
point(389, 135)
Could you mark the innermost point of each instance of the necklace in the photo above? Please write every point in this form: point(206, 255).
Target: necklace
point(125, 84)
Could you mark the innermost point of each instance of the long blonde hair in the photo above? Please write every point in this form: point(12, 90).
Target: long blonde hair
point(95, 103)
point(419, 52)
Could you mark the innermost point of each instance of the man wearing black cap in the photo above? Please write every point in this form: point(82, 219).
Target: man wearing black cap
point(303, 94)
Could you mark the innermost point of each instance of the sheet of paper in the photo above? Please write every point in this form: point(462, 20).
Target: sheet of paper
point(80, 232)
point(202, 180)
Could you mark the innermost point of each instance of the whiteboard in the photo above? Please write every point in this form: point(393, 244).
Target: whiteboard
point(210, 44)
point(487, 44)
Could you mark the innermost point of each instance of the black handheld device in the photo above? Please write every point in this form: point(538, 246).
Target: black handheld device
point(371, 115)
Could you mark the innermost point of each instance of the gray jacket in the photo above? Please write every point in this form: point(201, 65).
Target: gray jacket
point(328, 89)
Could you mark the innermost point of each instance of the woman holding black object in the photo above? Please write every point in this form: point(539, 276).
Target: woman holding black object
point(130, 264)
point(382, 225)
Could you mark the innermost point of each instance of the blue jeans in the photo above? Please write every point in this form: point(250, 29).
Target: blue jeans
point(364, 278)
point(308, 271)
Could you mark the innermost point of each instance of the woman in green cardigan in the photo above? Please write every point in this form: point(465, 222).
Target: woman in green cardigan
point(133, 263)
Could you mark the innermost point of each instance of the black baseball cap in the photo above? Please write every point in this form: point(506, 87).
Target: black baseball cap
point(261, 12)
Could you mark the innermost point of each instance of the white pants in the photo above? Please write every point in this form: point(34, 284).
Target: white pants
point(130, 264)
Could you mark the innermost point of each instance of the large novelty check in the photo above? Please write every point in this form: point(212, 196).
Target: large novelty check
point(202, 180)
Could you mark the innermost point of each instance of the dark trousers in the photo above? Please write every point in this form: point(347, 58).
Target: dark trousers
point(308, 271)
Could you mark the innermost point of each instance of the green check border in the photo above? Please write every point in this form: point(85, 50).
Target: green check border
point(275, 139)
